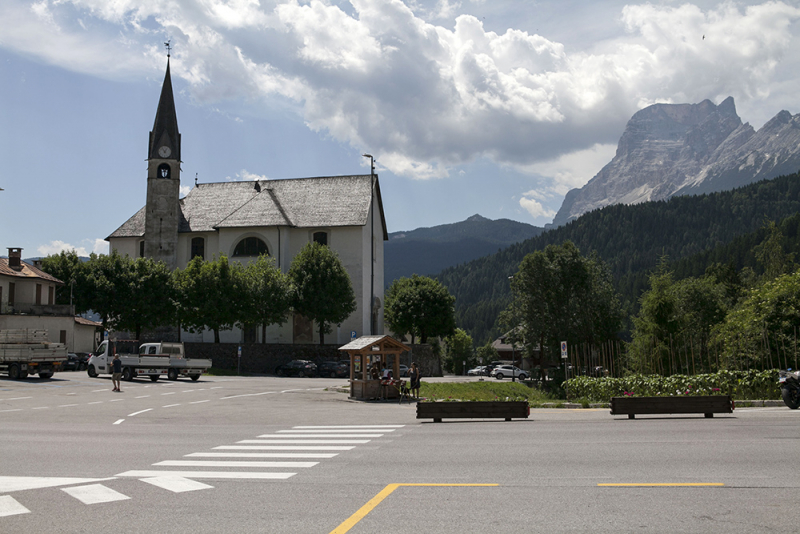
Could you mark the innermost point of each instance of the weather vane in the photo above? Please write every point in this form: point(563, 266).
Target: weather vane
point(169, 48)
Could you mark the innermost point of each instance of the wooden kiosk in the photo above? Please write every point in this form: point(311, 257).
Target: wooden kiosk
point(366, 353)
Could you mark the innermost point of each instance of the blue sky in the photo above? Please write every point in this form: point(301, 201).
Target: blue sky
point(495, 107)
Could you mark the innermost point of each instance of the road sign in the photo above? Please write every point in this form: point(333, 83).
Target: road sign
point(564, 350)
point(352, 334)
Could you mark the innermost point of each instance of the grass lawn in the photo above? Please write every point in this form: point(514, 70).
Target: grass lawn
point(483, 391)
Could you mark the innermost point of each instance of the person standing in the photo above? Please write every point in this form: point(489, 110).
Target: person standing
point(116, 374)
point(413, 377)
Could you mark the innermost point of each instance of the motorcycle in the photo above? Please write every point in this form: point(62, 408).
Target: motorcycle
point(789, 383)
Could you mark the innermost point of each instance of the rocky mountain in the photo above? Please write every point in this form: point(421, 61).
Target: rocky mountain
point(427, 251)
point(680, 149)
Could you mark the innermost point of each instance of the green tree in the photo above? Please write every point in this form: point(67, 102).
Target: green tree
point(268, 295)
point(321, 290)
point(559, 295)
point(210, 295)
point(487, 353)
point(459, 350)
point(68, 267)
point(420, 306)
point(763, 327)
point(151, 296)
point(771, 255)
point(108, 278)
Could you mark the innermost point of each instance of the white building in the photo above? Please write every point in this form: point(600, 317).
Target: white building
point(244, 219)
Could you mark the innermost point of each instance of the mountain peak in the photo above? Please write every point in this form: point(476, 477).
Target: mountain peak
point(476, 218)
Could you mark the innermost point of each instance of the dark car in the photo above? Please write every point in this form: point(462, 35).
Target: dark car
point(297, 368)
point(333, 369)
point(76, 361)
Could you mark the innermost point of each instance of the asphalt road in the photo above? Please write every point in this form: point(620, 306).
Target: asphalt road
point(170, 457)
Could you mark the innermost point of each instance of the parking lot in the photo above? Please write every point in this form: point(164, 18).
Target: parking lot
point(187, 456)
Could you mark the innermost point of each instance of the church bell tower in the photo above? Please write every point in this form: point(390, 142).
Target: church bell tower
point(162, 212)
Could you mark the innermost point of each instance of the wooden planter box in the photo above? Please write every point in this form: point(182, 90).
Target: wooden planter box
point(473, 410)
point(705, 404)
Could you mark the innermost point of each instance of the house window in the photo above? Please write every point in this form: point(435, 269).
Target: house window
point(250, 246)
point(141, 249)
point(11, 293)
point(51, 295)
point(199, 248)
point(38, 294)
point(321, 238)
point(62, 336)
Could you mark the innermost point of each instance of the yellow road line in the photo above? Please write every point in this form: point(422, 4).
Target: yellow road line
point(385, 492)
point(646, 484)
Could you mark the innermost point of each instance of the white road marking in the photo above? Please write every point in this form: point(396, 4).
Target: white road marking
point(247, 395)
point(95, 494)
point(353, 426)
point(116, 400)
point(140, 411)
point(118, 421)
point(233, 463)
point(306, 441)
point(18, 398)
point(96, 390)
point(187, 391)
point(176, 484)
point(261, 455)
point(208, 474)
point(65, 405)
point(315, 436)
point(327, 430)
point(40, 408)
point(280, 448)
point(198, 402)
point(170, 393)
point(14, 410)
point(142, 396)
point(290, 390)
point(96, 402)
point(171, 405)
point(10, 484)
point(216, 387)
point(9, 506)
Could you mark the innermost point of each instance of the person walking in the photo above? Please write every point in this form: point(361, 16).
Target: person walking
point(413, 378)
point(116, 368)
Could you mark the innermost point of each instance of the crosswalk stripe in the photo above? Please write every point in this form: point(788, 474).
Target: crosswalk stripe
point(9, 484)
point(319, 436)
point(176, 484)
point(261, 455)
point(94, 494)
point(233, 463)
point(9, 506)
point(331, 430)
point(284, 448)
point(208, 474)
point(306, 441)
point(352, 426)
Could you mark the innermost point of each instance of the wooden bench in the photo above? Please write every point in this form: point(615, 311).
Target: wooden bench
point(705, 404)
point(473, 410)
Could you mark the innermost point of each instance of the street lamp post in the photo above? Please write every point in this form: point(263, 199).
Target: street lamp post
point(513, 329)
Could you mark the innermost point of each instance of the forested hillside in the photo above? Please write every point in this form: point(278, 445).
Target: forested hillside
point(630, 239)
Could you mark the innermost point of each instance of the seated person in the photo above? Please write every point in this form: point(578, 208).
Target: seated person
point(387, 374)
point(373, 373)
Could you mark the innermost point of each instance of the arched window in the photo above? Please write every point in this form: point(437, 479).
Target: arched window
point(320, 237)
point(141, 249)
point(250, 246)
point(198, 248)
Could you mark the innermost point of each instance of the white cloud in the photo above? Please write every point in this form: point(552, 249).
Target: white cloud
point(55, 247)
point(423, 97)
point(100, 246)
point(185, 190)
point(574, 169)
point(535, 208)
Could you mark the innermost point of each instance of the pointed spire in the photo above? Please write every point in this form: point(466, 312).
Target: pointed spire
point(165, 128)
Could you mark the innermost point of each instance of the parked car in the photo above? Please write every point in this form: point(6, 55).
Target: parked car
point(297, 368)
point(76, 361)
point(481, 370)
point(403, 370)
point(502, 371)
point(333, 369)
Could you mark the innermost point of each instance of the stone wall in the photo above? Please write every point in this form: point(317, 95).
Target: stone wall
point(259, 358)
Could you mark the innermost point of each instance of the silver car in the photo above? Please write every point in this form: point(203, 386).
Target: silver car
point(502, 371)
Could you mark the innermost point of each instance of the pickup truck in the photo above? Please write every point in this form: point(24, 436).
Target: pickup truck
point(153, 360)
point(26, 352)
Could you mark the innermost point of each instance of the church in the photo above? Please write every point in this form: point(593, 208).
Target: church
point(243, 220)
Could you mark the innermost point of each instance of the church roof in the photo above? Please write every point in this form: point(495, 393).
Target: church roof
point(165, 126)
point(301, 202)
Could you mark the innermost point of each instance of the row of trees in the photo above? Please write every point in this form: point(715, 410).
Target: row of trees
point(138, 294)
point(727, 318)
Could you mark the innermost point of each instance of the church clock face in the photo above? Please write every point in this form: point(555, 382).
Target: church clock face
point(164, 151)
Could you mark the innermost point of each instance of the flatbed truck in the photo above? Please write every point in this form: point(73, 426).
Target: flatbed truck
point(26, 352)
point(153, 360)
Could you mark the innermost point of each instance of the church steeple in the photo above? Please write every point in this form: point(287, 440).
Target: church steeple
point(165, 128)
point(162, 210)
